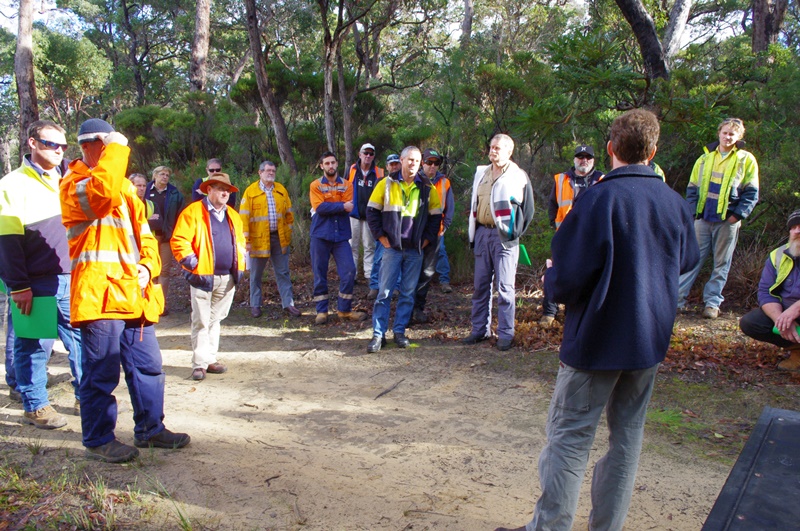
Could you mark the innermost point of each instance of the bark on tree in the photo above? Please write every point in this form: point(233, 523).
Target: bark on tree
point(197, 68)
point(678, 16)
point(347, 112)
point(768, 18)
point(23, 70)
point(645, 31)
point(466, 23)
point(265, 89)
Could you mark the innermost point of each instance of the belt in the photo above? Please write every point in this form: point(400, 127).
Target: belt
point(487, 226)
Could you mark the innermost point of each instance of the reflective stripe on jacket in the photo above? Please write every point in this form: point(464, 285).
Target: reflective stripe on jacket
point(193, 245)
point(783, 264)
point(329, 220)
point(108, 238)
point(564, 197)
point(738, 190)
point(254, 212)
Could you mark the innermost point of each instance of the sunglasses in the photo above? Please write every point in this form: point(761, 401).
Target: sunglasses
point(432, 163)
point(51, 145)
point(368, 153)
point(584, 157)
point(214, 170)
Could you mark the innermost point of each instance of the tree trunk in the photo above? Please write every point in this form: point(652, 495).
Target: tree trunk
point(678, 16)
point(133, 52)
point(328, 57)
point(645, 31)
point(265, 90)
point(466, 24)
point(768, 18)
point(347, 113)
point(23, 70)
point(197, 68)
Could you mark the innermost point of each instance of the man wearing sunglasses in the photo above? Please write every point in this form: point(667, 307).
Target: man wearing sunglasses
point(212, 166)
point(35, 262)
point(565, 191)
point(363, 175)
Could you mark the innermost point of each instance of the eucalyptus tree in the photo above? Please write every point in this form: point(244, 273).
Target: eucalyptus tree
point(23, 71)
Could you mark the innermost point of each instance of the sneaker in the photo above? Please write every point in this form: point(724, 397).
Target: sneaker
point(447, 288)
point(45, 418)
point(352, 316)
point(321, 318)
point(710, 312)
point(163, 439)
point(546, 320)
point(372, 295)
point(113, 452)
point(15, 395)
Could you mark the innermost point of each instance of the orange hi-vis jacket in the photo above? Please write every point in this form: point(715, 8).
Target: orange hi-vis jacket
point(108, 238)
point(564, 196)
point(193, 245)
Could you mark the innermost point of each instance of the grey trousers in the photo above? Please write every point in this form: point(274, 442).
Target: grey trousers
point(578, 401)
point(493, 265)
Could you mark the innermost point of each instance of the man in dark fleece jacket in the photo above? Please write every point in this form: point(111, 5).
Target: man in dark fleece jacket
point(618, 257)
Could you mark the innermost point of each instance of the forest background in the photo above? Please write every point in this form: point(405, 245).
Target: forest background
point(286, 80)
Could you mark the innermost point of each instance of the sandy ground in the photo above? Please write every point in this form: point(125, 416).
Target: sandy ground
point(295, 435)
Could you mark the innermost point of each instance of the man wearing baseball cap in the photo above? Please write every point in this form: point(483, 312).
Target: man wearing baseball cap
point(363, 175)
point(779, 299)
point(208, 242)
point(113, 299)
point(565, 191)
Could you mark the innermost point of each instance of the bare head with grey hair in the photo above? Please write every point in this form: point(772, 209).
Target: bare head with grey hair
point(266, 173)
point(410, 159)
point(500, 149)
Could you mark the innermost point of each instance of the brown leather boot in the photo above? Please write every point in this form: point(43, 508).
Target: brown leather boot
point(792, 363)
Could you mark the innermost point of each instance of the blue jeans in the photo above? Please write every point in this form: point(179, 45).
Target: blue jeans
point(11, 374)
point(407, 263)
point(443, 264)
point(578, 401)
point(720, 239)
point(321, 251)
point(280, 265)
point(106, 344)
point(31, 355)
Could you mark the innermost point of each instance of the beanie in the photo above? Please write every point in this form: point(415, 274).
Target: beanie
point(794, 219)
point(93, 129)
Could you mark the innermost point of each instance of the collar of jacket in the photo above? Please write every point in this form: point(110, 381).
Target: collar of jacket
point(337, 180)
point(631, 170)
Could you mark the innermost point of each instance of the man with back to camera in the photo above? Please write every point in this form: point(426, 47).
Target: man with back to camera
point(208, 243)
point(616, 258)
point(331, 203)
point(267, 220)
point(722, 191)
point(779, 299)
point(566, 188)
point(500, 213)
point(113, 298)
point(34, 262)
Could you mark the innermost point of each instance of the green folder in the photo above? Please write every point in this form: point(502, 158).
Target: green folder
point(524, 259)
point(40, 324)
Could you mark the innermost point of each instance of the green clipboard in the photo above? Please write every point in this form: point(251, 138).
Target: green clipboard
point(524, 259)
point(42, 321)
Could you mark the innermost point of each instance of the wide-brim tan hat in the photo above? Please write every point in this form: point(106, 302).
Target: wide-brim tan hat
point(217, 178)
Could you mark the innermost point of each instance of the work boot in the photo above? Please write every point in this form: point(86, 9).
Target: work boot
point(446, 288)
point(255, 312)
point(372, 295)
point(418, 316)
point(375, 344)
point(792, 363)
point(76, 409)
point(321, 318)
point(163, 439)
point(45, 418)
point(352, 316)
point(15, 395)
point(710, 312)
point(113, 452)
point(547, 320)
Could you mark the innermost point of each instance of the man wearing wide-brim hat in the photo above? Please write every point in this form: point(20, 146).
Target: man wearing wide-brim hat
point(208, 243)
